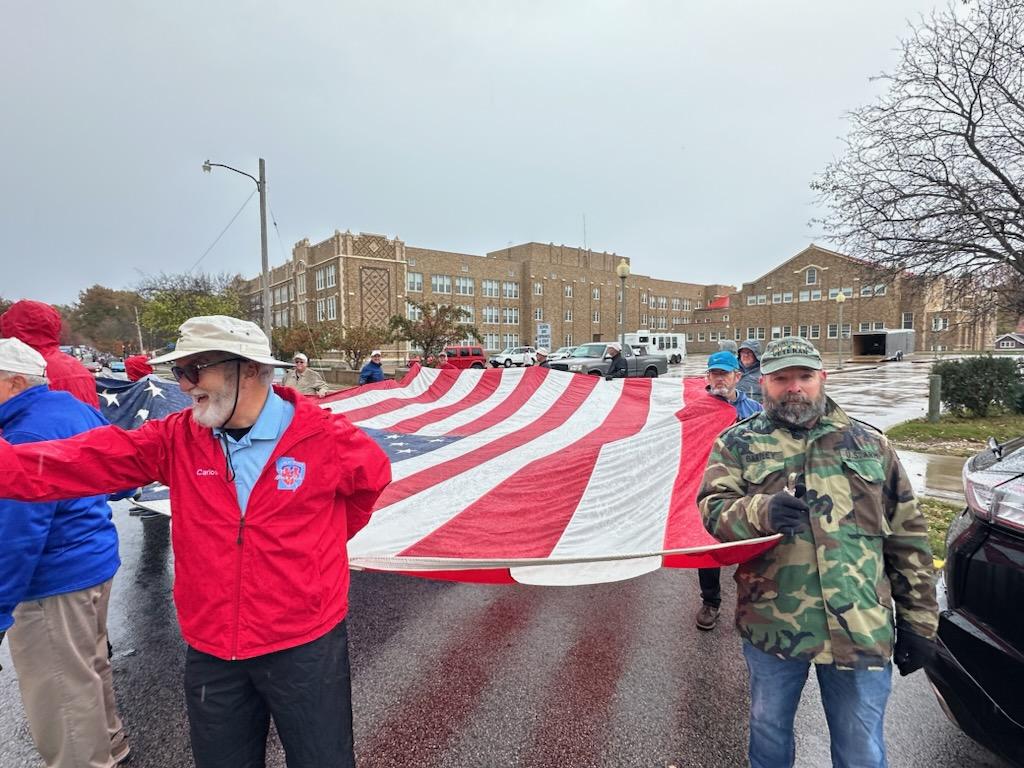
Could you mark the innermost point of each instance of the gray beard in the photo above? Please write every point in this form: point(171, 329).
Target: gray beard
point(796, 410)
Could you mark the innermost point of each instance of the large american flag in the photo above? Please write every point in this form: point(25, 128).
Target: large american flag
point(539, 476)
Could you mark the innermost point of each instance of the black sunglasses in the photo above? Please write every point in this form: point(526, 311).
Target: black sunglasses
point(192, 371)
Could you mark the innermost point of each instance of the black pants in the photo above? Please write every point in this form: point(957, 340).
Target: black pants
point(710, 586)
point(306, 689)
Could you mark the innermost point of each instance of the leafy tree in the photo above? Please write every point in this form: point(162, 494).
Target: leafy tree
point(438, 326)
point(106, 319)
point(5, 304)
point(172, 299)
point(359, 341)
point(932, 177)
point(313, 340)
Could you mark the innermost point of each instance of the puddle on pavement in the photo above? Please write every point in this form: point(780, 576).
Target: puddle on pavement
point(934, 475)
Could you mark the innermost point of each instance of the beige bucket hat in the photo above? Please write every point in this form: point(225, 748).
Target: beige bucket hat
point(219, 333)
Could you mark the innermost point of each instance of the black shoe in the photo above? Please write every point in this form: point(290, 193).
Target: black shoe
point(707, 617)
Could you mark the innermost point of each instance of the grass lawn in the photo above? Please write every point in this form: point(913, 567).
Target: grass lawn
point(955, 435)
point(940, 514)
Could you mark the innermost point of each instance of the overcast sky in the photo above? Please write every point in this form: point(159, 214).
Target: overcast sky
point(686, 132)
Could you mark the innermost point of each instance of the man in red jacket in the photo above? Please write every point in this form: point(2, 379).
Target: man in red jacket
point(38, 325)
point(266, 489)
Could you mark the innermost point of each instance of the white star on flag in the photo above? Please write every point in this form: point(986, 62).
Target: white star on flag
point(142, 414)
point(154, 390)
point(111, 398)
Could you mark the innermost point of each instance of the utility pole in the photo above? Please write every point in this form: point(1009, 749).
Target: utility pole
point(138, 328)
point(262, 184)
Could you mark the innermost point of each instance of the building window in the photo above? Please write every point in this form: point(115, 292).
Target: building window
point(620, 319)
point(811, 276)
point(538, 313)
point(595, 294)
point(686, 305)
point(776, 298)
point(491, 340)
point(414, 281)
point(595, 316)
point(644, 319)
point(940, 323)
point(332, 277)
point(1006, 344)
point(864, 327)
point(802, 331)
point(879, 290)
point(538, 289)
point(833, 331)
point(510, 290)
point(663, 302)
point(568, 339)
point(301, 280)
point(332, 307)
point(511, 315)
point(568, 315)
point(511, 340)
point(568, 290)
point(815, 332)
point(689, 337)
point(751, 331)
point(643, 297)
point(776, 331)
point(879, 326)
point(832, 293)
point(848, 293)
point(465, 286)
point(618, 294)
point(319, 279)
point(737, 335)
point(846, 330)
point(751, 300)
point(804, 296)
point(491, 315)
point(908, 320)
point(759, 333)
point(787, 297)
point(867, 290)
point(700, 337)
point(662, 324)
point(470, 313)
point(302, 312)
point(490, 288)
point(320, 310)
point(816, 295)
point(676, 305)
point(440, 284)
point(413, 313)
point(762, 298)
point(787, 330)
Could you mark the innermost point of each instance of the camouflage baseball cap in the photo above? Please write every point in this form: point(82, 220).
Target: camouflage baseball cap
point(790, 352)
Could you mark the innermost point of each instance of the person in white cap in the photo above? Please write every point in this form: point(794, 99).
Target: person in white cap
point(303, 378)
point(266, 487)
point(542, 357)
point(57, 564)
point(618, 368)
point(372, 372)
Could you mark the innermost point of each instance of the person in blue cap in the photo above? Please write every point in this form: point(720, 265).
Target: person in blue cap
point(722, 377)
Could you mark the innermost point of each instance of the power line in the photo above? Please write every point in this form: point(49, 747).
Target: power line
point(280, 243)
point(223, 231)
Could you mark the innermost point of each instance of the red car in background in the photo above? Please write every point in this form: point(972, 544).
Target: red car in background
point(466, 356)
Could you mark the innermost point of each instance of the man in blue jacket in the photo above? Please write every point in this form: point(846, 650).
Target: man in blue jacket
point(372, 372)
point(56, 568)
point(723, 377)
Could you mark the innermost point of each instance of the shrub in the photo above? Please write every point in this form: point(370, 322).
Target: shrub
point(977, 384)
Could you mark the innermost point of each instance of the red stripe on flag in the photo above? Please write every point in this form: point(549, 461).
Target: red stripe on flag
point(528, 385)
point(702, 419)
point(494, 525)
point(484, 388)
point(564, 407)
point(360, 389)
point(440, 385)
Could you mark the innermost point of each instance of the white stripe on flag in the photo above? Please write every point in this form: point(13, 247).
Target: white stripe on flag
point(398, 526)
point(416, 387)
point(510, 379)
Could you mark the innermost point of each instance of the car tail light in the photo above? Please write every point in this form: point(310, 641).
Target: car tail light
point(1008, 507)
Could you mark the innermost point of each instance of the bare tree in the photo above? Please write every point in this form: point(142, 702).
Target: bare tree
point(932, 177)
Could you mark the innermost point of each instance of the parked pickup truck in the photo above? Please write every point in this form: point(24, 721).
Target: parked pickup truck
point(591, 359)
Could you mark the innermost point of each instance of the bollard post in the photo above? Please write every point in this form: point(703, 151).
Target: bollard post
point(934, 397)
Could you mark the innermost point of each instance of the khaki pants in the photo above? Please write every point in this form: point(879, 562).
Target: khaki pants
point(59, 648)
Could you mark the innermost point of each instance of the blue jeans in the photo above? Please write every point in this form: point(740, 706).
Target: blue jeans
point(854, 703)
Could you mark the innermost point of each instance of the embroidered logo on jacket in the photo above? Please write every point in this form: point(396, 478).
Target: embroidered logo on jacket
point(290, 473)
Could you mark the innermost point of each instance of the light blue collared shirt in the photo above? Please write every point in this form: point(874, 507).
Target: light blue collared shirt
point(250, 454)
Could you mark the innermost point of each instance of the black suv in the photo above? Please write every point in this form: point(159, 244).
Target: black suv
point(978, 673)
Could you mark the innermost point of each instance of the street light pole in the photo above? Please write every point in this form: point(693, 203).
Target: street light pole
point(840, 299)
point(622, 270)
point(261, 185)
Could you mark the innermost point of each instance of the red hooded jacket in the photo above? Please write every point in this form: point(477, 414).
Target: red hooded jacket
point(278, 580)
point(38, 325)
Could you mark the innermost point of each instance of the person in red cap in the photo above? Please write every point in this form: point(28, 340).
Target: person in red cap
point(137, 367)
point(38, 325)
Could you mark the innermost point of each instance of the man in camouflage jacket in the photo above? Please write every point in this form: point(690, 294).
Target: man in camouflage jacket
point(851, 573)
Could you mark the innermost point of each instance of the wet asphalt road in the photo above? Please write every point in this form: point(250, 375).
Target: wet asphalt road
point(462, 675)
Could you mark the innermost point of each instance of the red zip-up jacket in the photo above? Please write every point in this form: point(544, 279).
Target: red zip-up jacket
point(242, 587)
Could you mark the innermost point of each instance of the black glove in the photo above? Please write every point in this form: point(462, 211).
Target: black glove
point(787, 514)
point(912, 651)
point(3, 634)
